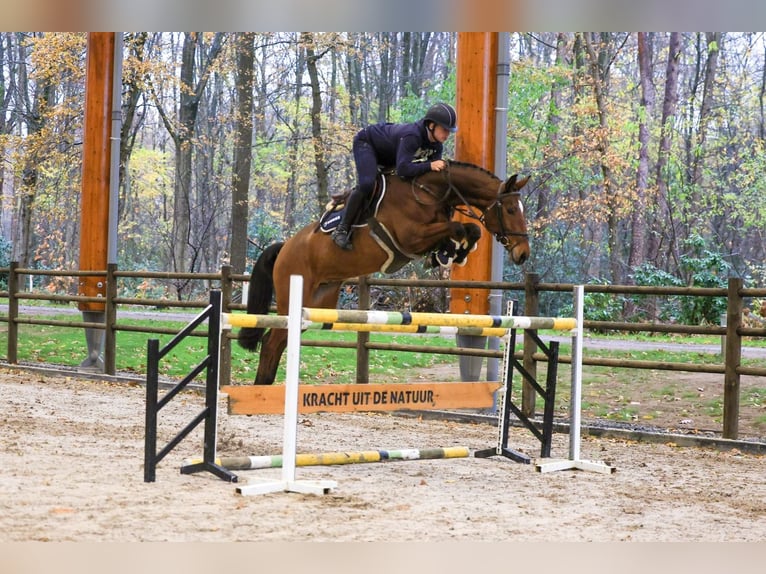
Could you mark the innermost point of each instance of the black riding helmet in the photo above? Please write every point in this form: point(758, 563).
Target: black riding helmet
point(443, 115)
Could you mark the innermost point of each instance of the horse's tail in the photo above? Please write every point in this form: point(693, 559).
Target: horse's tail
point(259, 296)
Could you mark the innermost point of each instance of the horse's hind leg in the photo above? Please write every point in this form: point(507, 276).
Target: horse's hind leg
point(275, 340)
point(272, 347)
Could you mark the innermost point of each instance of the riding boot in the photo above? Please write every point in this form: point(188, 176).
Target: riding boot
point(341, 235)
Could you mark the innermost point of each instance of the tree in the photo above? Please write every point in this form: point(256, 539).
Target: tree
point(243, 145)
point(697, 138)
point(192, 84)
point(317, 138)
point(645, 114)
point(662, 224)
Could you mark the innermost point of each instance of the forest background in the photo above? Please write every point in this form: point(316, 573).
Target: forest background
point(646, 150)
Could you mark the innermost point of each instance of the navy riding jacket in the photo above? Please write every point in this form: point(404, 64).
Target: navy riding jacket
point(403, 146)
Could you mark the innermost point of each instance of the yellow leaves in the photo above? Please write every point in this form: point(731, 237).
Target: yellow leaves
point(58, 55)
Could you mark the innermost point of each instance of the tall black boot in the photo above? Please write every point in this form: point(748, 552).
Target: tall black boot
point(341, 235)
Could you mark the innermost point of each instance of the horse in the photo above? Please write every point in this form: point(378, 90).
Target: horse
point(413, 219)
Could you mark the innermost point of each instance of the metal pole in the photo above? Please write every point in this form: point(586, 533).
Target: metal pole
point(115, 139)
point(501, 160)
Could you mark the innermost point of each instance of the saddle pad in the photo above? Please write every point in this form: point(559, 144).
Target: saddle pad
point(334, 211)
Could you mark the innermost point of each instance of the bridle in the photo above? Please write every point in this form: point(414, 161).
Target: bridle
point(503, 235)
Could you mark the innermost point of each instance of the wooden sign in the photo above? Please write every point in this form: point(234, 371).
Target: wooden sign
point(262, 399)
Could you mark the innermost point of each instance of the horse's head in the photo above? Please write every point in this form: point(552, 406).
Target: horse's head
point(466, 188)
point(505, 218)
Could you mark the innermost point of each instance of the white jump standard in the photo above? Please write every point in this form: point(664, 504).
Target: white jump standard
point(575, 462)
point(288, 483)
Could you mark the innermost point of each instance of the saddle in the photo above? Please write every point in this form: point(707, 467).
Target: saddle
point(334, 209)
point(446, 254)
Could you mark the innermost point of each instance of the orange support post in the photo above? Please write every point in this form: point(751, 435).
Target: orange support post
point(96, 159)
point(96, 153)
point(475, 143)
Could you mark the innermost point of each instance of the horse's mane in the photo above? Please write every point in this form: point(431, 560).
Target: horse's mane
point(456, 163)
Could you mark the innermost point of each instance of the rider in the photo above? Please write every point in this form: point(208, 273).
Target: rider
point(413, 149)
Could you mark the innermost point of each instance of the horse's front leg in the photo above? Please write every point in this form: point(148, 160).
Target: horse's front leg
point(455, 248)
point(468, 244)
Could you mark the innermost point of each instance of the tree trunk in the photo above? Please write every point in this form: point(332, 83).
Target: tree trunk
point(761, 96)
point(645, 113)
point(552, 151)
point(243, 142)
point(323, 195)
point(35, 122)
point(355, 84)
point(599, 58)
point(182, 134)
point(132, 89)
point(663, 215)
point(187, 114)
point(292, 182)
point(697, 207)
point(386, 89)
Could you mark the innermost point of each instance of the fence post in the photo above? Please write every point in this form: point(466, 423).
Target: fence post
point(531, 309)
point(362, 338)
point(110, 320)
point(224, 370)
point(732, 360)
point(13, 314)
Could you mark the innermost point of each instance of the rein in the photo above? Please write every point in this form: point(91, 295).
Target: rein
point(468, 211)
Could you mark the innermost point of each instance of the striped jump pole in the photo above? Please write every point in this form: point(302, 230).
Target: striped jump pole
point(230, 320)
point(437, 319)
point(314, 318)
point(338, 458)
point(409, 329)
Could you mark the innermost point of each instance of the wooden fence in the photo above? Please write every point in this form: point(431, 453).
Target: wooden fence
point(531, 289)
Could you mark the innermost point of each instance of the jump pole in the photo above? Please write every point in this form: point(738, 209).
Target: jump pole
point(280, 322)
point(317, 315)
point(574, 462)
point(338, 458)
point(288, 483)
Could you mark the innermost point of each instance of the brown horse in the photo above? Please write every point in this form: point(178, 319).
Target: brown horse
point(415, 214)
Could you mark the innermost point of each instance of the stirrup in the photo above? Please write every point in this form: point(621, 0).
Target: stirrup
point(340, 237)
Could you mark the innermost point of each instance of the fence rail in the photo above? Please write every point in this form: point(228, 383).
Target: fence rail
point(530, 290)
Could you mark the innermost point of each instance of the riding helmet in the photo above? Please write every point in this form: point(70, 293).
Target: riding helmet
point(444, 115)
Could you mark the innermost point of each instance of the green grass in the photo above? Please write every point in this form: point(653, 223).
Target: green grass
point(67, 346)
